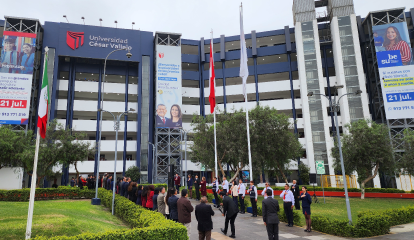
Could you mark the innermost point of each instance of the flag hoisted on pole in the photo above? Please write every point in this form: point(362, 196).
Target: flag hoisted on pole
point(212, 99)
point(41, 132)
point(244, 73)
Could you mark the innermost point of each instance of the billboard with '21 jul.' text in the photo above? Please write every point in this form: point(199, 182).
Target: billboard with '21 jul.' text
point(396, 69)
point(16, 75)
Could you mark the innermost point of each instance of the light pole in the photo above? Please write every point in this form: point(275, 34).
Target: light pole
point(334, 106)
point(96, 200)
point(153, 160)
point(117, 119)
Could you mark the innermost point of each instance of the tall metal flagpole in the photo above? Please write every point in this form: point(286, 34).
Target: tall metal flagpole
point(214, 86)
point(244, 73)
point(34, 174)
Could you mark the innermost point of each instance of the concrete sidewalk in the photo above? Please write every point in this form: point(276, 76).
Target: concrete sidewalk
point(250, 228)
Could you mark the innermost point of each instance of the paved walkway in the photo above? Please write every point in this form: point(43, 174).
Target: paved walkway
point(250, 228)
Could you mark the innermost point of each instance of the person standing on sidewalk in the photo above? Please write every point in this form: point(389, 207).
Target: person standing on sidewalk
point(230, 212)
point(177, 182)
point(190, 186)
point(242, 192)
point(215, 191)
point(288, 204)
point(253, 198)
point(306, 202)
point(196, 184)
point(270, 209)
point(184, 211)
point(267, 186)
point(235, 192)
point(296, 192)
point(225, 184)
point(203, 213)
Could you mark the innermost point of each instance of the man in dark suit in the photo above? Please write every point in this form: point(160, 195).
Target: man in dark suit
point(197, 187)
point(161, 119)
point(270, 207)
point(125, 186)
point(296, 192)
point(230, 210)
point(203, 213)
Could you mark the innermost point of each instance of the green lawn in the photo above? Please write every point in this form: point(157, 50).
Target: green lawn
point(56, 218)
point(335, 207)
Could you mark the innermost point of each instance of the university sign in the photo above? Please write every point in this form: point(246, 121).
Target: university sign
point(76, 39)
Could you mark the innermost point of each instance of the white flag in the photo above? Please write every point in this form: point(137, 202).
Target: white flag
point(244, 70)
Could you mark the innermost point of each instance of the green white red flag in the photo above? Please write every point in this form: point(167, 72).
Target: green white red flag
point(43, 102)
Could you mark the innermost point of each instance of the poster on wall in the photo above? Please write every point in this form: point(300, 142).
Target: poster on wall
point(16, 73)
point(396, 69)
point(168, 87)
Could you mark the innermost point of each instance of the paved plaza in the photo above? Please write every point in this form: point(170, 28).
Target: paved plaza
point(250, 228)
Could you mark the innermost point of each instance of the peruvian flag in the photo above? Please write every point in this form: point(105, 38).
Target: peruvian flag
point(43, 102)
point(212, 97)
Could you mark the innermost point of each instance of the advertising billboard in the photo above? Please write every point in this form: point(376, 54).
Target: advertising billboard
point(16, 73)
point(396, 69)
point(168, 87)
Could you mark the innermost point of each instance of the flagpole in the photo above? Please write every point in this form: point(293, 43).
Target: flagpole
point(34, 174)
point(215, 134)
point(245, 75)
point(32, 189)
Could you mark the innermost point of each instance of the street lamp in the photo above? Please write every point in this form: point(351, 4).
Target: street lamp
point(334, 106)
point(117, 119)
point(96, 200)
point(153, 160)
point(185, 156)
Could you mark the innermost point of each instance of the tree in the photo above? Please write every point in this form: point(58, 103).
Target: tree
point(365, 148)
point(304, 173)
point(231, 141)
point(406, 164)
point(273, 143)
point(59, 147)
point(134, 173)
point(12, 146)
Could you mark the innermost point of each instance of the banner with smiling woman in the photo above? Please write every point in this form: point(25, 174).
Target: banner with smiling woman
point(396, 69)
point(168, 87)
point(16, 74)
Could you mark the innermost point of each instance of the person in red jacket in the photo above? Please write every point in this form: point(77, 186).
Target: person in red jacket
point(144, 196)
point(203, 188)
point(150, 194)
point(177, 182)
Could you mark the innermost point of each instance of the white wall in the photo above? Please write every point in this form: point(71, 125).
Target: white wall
point(11, 178)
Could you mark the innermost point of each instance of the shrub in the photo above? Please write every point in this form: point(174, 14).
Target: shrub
point(146, 224)
point(332, 226)
point(62, 192)
point(134, 173)
point(372, 224)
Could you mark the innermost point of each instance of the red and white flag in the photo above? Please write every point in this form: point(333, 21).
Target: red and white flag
point(212, 97)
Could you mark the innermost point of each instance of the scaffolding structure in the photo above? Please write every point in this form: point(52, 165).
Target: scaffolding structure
point(167, 140)
point(396, 126)
point(27, 25)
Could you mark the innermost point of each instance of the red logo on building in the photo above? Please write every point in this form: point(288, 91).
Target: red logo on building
point(73, 39)
point(161, 55)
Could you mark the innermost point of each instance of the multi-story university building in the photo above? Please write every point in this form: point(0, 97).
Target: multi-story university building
point(320, 51)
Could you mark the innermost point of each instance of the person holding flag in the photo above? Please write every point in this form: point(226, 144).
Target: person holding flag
point(41, 132)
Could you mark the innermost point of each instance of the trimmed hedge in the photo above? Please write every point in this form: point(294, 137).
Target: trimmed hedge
point(369, 223)
point(145, 224)
point(62, 192)
point(282, 216)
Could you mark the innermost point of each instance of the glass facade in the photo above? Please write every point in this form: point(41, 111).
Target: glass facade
point(145, 114)
point(350, 68)
point(315, 104)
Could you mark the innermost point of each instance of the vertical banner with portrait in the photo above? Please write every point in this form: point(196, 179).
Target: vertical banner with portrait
point(168, 112)
point(16, 74)
point(396, 69)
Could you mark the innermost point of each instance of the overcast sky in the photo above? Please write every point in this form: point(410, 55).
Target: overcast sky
point(193, 18)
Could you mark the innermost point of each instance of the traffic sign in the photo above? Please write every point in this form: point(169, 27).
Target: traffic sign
point(320, 167)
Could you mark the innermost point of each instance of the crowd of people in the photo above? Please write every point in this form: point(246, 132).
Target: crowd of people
point(179, 209)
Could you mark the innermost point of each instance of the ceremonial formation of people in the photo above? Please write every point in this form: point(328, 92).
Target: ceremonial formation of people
point(229, 200)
